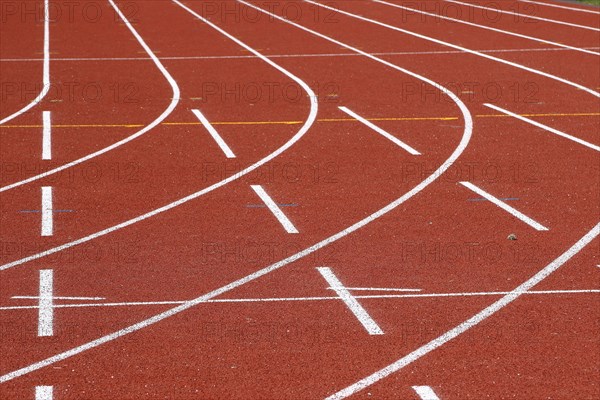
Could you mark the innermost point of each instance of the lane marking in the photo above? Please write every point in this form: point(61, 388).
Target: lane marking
point(278, 204)
point(46, 136)
point(460, 21)
point(314, 107)
point(61, 298)
point(45, 72)
point(392, 53)
point(545, 127)
point(350, 301)
point(370, 289)
point(549, 115)
point(454, 46)
point(471, 322)
point(44, 393)
point(425, 393)
point(553, 21)
point(215, 135)
point(512, 211)
point(383, 133)
point(47, 214)
point(161, 117)
point(542, 115)
point(464, 141)
point(272, 206)
point(37, 211)
point(500, 198)
point(557, 6)
point(46, 308)
point(316, 298)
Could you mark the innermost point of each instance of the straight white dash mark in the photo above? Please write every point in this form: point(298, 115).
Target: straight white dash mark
point(215, 135)
point(271, 205)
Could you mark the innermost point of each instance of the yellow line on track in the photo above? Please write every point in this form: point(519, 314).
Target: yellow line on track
point(299, 122)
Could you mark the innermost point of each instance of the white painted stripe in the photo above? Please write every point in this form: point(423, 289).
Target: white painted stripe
point(314, 107)
point(545, 127)
point(47, 212)
point(281, 217)
point(469, 323)
point(44, 393)
point(158, 120)
point(425, 393)
point(45, 72)
point(466, 137)
point(61, 298)
point(383, 289)
point(512, 211)
point(318, 298)
point(460, 21)
point(464, 49)
point(359, 312)
point(564, 7)
point(526, 16)
point(215, 135)
point(377, 129)
point(46, 308)
point(46, 136)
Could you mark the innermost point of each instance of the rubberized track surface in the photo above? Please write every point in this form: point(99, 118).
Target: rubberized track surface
point(299, 200)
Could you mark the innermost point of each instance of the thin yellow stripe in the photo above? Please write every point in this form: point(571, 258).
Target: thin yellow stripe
point(301, 122)
point(541, 115)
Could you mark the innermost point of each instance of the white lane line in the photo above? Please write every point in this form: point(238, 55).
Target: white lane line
point(281, 217)
point(460, 21)
point(47, 212)
point(158, 120)
point(454, 46)
point(46, 308)
point(215, 135)
point(312, 115)
point(460, 148)
point(469, 323)
point(526, 16)
point(505, 207)
point(46, 68)
point(425, 393)
point(359, 312)
point(46, 136)
point(370, 289)
point(294, 299)
point(61, 298)
point(44, 393)
point(383, 133)
point(545, 127)
point(564, 7)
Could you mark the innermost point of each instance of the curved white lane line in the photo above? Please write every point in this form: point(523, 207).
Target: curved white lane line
point(242, 281)
point(525, 16)
point(489, 28)
point(477, 53)
point(310, 120)
point(46, 69)
point(557, 6)
point(471, 322)
point(161, 117)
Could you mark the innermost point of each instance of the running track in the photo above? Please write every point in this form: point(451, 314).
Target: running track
point(299, 200)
